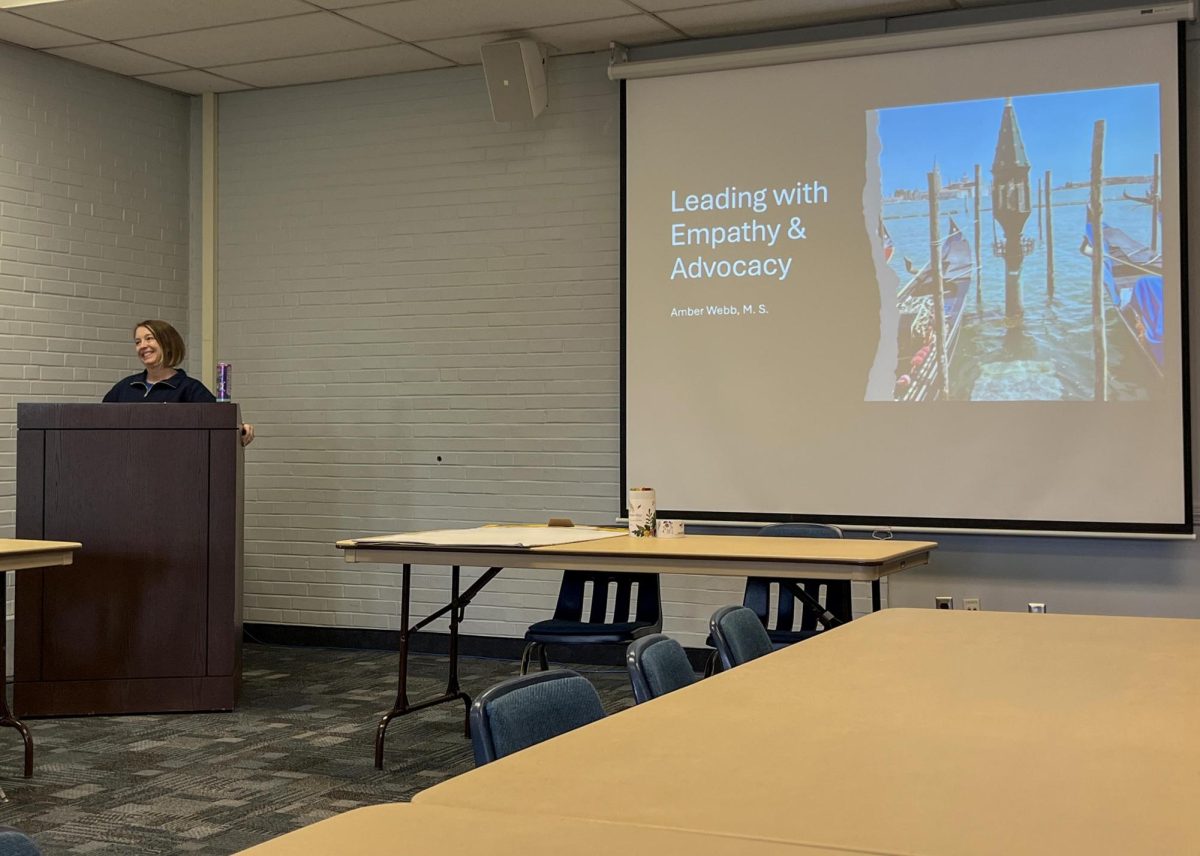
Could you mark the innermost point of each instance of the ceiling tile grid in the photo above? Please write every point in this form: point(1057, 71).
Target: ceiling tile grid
point(223, 45)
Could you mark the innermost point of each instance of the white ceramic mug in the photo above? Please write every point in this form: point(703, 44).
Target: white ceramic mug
point(669, 528)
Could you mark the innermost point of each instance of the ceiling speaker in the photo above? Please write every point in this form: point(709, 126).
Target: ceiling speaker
point(516, 79)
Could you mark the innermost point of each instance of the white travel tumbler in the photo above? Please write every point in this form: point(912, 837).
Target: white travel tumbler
point(641, 511)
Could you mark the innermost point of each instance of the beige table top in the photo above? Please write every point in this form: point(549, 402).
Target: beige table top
point(406, 828)
point(721, 555)
point(942, 733)
point(17, 554)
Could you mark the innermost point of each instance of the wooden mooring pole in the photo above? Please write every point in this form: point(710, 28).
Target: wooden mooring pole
point(939, 295)
point(1154, 203)
point(978, 258)
point(1096, 214)
point(1039, 207)
point(1049, 241)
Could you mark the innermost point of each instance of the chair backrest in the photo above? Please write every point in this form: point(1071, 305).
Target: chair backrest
point(646, 608)
point(738, 636)
point(13, 842)
point(801, 530)
point(528, 709)
point(657, 665)
point(758, 589)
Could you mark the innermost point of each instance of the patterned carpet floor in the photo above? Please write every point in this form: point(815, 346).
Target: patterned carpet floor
point(299, 748)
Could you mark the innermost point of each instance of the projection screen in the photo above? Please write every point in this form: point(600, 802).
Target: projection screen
point(867, 290)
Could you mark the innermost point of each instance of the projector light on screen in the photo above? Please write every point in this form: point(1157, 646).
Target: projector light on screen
point(930, 288)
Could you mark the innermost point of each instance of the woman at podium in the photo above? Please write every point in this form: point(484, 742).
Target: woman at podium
point(160, 348)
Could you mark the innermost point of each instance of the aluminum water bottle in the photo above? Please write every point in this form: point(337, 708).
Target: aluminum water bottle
point(224, 377)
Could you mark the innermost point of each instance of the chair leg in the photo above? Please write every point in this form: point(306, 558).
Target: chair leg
point(527, 657)
point(710, 666)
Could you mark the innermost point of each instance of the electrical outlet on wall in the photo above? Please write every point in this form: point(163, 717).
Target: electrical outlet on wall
point(971, 604)
point(943, 602)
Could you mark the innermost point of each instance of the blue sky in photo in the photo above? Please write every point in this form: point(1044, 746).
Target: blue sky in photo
point(1056, 128)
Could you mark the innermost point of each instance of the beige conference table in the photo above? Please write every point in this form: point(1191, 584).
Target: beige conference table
point(719, 555)
point(913, 731)
point(397, 827)
point(21, 554)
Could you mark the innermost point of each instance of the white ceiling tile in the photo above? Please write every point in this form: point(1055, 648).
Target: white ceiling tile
point(561, 39)
point(193, 81)
point(113, 20)
point(422, 20)
point(342, 4)
point(664, 5)
point(582, 37)
point(319, 32)
point(342, 65)
point(596, 35)
point(115, 58)
point(279, 42)
point(464, 50)
point(881, 8)
point(33, 34)
point(758, 15)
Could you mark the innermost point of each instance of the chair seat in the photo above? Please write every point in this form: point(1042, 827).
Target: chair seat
point(779, 638)
point(582, 632)
point(597, 608)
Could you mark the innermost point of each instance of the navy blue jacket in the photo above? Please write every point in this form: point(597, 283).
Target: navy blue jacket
point(178, 387)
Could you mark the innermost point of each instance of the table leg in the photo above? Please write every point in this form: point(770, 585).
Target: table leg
point(457, 609)
point(7, 720)
point(875, 597)
point(452, 688)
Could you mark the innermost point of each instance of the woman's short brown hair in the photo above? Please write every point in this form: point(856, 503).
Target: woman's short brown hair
point(169, 340)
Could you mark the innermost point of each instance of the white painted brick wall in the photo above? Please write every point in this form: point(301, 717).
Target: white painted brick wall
point(403, 278)
point(93, 232)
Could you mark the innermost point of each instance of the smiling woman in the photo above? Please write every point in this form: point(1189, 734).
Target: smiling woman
point(160, 349)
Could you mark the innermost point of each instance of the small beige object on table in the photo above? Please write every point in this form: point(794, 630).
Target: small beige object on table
point(20, 554)
point(914, 731)
point(496, 548)
point(397, 827)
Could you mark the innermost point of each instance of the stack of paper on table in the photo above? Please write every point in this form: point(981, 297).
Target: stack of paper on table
point(493, 536)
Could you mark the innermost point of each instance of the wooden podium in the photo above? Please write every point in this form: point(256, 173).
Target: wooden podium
point(149, 617)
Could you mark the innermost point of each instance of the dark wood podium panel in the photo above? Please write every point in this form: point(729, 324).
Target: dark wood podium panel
point(148, 618)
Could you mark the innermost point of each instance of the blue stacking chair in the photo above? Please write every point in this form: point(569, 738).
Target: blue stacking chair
point(782, 629)
point(739, 636)
point(657, 665)
point(525, 710)
point(13, 842)
point(782, 626)
point(633, 614)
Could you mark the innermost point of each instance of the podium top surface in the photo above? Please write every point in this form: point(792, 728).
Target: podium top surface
point(125, 417)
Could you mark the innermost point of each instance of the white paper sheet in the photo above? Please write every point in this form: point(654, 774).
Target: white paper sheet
point(494, 536)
